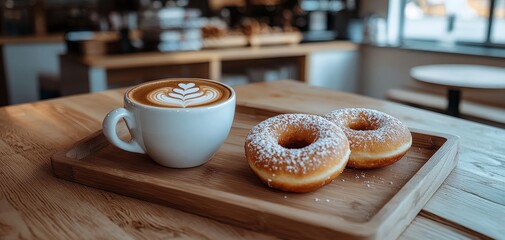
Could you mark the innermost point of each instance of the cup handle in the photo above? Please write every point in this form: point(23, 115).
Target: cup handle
point(110, 126)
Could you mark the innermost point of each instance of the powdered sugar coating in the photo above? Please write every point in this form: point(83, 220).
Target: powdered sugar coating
point(385, 133)
point(263, 140)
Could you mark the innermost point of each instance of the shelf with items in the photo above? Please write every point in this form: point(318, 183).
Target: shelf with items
point(95, 73)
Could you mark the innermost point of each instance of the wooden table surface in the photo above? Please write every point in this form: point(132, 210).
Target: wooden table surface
point(35, 204)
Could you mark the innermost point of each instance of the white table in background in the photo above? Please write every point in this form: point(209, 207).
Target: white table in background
point(456, 77)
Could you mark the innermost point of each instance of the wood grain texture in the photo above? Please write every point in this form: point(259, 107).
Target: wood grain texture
point(35, 204)
point(373, 204)
point(429, 228)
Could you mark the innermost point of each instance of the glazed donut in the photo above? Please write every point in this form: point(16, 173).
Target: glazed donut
point(376, 138)
point(296, 152)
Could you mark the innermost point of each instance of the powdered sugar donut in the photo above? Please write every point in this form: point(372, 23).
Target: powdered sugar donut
point(376, 138)
point(297, 152)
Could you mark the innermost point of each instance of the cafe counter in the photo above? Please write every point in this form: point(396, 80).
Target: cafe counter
point(81, 74)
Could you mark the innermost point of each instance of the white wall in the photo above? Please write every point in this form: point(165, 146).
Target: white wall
point(335, 70)
point(23, 64)
point(384, 68)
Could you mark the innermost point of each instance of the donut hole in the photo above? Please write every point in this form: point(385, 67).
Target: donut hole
point(296, 139)
point(363, 126)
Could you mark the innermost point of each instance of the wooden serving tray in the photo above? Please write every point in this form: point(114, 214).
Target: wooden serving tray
point(373, 204)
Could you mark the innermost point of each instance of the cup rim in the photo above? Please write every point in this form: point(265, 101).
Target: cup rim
point(128, 100)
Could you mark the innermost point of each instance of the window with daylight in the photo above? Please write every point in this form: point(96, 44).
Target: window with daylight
point(473, 22)
point(498, 28)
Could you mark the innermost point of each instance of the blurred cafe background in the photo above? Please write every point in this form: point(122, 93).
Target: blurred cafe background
point(55, 48)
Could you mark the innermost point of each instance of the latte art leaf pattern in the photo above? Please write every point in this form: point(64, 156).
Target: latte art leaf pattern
point(185, 95)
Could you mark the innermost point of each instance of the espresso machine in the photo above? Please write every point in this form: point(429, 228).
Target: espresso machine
point(324, 20)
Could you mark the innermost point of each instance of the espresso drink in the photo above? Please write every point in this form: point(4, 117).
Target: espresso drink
point(184, 93)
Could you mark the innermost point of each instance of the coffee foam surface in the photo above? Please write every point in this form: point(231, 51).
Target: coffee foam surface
point(180, 93)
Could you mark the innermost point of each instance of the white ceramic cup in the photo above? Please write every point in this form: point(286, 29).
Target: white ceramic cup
point(173, 137)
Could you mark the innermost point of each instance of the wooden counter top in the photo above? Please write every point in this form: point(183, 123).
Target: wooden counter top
point(50, 38)
point(244, 53)
point(35, 204)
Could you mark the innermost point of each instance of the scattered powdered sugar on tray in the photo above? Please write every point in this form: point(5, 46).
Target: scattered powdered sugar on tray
point(263, 140)
point(370, 181)
point(322, 200)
